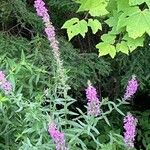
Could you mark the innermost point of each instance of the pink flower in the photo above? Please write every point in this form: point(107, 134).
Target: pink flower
point(93, 101)
point(2, 77)
point(41, 10)
point(4, 84)
point(130, 124)
point(7, 87)
point(131, 88)
point(57, 136)
point(49, 28)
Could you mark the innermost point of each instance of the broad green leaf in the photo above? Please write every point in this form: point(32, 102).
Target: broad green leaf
point(133, 43)
point(83, 27)
point(112, 5)
point(106, 48)
point(138, 24)
point(139, 2)
point(122, 47)
point(73, 31)
point(70, 22)
point(122, 19)
point(113, 21)
point(75, 27)
point(122, 5)
point(95, 25)
point(108, 38)
point(95, 7)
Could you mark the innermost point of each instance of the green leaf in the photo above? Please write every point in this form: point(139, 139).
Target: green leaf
point(122, 19)
point(106, 48)
point(113, 22)
point(73, 31)
point(133, 43)
point(70, 23)
point(106, 119)
point(95, 25)
point(83, 27)
point(139, 2)
point(108, 38)
point(75, 27)
point(122, 5)
point(122, 47)
point(95, 7)
point(138, 24)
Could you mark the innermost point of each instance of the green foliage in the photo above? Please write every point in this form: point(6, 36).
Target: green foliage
point(94, 7)
point(95, 25)
point(144, 128)
point(128, 24)
point(75, 26)
point(138, 2)
point(104, 47)
point(29, 65)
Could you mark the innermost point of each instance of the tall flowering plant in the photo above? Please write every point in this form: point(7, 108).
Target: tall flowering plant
point(57, 136)
point(131, 88)
point(51, 36)
point(93, 108)
point(83, 125)
point(130, 123)
point(42, 11)
point(5, 85)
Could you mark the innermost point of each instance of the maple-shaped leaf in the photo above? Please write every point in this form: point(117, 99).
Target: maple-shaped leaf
point(75, 26)
point(139, 2)
point(122, 47)
point(113, 22)
point(123, 18)
point(122, 5)
point(106, 48)
point(95, 7)
point(108, 38)
point(133, 43)
point(95, 25)
point(138, 23)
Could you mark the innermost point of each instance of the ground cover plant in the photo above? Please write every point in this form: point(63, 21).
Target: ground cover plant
point(63, 95)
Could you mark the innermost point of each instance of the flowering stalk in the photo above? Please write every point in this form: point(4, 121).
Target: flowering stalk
point(4, 84)
point(41, 10)
point(130, 124)
point(131, 88)
point(50, 32)
point(57, 136)
point(93, 108)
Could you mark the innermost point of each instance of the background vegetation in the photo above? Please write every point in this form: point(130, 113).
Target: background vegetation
point(27, 59)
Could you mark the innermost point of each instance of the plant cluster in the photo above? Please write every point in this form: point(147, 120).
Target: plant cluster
point(127, 22)
point(41, 81)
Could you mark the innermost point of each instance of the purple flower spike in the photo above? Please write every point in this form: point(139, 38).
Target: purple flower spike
point(57, 136)
point(49, 28)
point(2, 77)
point(131, 88)
point(4, 84)
point(130, 124)
point(41, 10)
point(93, 101)
point(7, 87)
